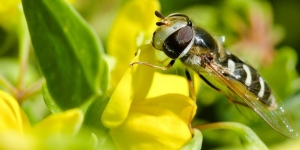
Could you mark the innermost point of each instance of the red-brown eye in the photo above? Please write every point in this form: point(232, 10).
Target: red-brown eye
point(178, 41)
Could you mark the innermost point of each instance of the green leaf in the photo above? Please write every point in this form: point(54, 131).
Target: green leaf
point(93, 125)
point(68, 52)
point(195, 143)
point(51, 104)
point(93, 114)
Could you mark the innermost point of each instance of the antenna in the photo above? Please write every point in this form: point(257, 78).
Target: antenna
point(159, 15)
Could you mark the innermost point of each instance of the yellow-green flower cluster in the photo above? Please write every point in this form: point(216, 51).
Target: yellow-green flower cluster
point(17, 133)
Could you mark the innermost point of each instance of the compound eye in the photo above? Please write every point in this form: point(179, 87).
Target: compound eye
point(177, 42)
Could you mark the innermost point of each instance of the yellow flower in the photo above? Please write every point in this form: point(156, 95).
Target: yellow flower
point(132, 28)
point(149, 110)
point(11, 13)
point(12, 116)
point(17, 133)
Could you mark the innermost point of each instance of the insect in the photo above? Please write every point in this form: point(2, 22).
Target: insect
point(200, 51)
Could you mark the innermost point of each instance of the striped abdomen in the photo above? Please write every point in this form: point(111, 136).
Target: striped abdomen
point(249, 77)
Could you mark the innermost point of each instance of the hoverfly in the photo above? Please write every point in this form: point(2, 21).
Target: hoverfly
point(198, 50)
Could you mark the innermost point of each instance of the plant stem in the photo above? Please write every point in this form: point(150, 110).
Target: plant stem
point(7, 85)
point(247, 137)
point(24, 41)
point(34, 89)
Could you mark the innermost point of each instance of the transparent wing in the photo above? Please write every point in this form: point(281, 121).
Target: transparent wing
point(275, 117)
point(214, 82)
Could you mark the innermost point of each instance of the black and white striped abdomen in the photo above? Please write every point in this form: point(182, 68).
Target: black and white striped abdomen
point(249, 77)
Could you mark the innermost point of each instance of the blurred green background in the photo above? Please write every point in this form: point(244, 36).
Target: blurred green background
point(284, 14)
point(100, 14)
point(263, 33)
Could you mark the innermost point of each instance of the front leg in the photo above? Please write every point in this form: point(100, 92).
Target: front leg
point(193, 95)
point(171, 63)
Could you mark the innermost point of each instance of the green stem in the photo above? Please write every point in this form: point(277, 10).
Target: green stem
point(248, 138)
point(24, 41)
point(241, 129)
point(5, 83)
point(33, 90)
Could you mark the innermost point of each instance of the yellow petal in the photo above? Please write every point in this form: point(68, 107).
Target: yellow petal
point(10, 13)
point(177, 91)
point(173, 85)
point(167, 84)
point(7, 5)
point(66, 123)
point(134, 85)
point(155, 124)
point(159, 121)
point(12, 116)
point(16, 141)
point(132, 28)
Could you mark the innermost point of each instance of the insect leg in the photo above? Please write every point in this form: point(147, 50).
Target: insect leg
point(217, 89)
point(191, 84)
point(236, 102)
point(209, 84)
point(171, 63)
point(193, 95)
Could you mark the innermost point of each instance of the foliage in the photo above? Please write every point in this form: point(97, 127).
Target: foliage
point(68, 91)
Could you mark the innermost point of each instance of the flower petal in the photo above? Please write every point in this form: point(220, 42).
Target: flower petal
point(134, 85)
point(155, 124)
point(16, 141)
point(12, 116)
point(132, 28)
point(167, 84)
point(10, 14)
point(171, 92)
point(66, 123)
point(160, 120)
